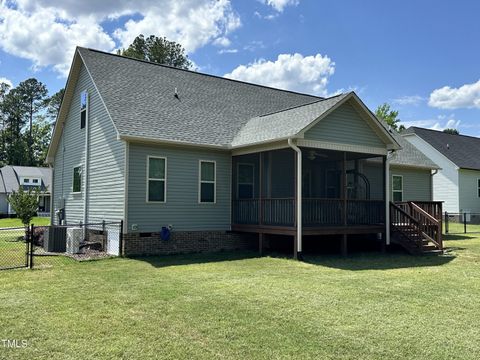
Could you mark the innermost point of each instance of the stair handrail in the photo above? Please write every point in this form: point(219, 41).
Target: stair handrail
point(430, 222)
point(411, 221)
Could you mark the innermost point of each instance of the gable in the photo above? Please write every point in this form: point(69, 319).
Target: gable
point(345, 125)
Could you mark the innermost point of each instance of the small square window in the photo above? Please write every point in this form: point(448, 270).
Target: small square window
point(26, 181)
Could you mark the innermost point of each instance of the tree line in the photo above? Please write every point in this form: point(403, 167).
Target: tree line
point(27, 116)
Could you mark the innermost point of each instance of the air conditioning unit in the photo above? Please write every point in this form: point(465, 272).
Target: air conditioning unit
point(54, 239)
point(74, 237)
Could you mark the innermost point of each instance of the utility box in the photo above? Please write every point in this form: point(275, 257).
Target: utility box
point(55, 239)
point(74, 238)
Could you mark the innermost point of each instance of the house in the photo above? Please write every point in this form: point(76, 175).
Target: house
point(457, 183)
point(220, 163)
point(12, 177)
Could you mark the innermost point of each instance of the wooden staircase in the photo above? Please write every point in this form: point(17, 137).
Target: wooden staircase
point(417, 226)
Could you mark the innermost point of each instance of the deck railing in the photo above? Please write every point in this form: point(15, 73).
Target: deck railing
point(315, 212)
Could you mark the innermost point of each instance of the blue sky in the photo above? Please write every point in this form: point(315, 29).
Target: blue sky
point(420, 56)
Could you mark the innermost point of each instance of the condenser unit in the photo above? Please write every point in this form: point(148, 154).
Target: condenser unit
point(74, 238)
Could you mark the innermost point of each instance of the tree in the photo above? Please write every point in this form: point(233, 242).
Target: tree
point(451, 131)
point(53, 104)
point(41, 135)
point(34, 95)
point(14, 112)
point(25, 203)
point(390, 116)
point(4, 88)
point(158, 50)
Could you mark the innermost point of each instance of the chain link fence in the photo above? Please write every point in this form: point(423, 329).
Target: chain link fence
point(47, 246)
point(14, 246)
point(461, 223)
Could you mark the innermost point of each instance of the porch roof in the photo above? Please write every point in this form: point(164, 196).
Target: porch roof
point(294, 121)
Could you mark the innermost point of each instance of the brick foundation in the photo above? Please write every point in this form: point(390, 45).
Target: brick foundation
point(182, 242)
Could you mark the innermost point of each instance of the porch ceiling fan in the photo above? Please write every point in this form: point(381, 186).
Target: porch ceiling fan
point(313, 154)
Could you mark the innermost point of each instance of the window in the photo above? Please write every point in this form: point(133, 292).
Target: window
point(478, 187)
point(207, 182)
point(83, 109)
point(156, 179)
point(397, 188)
point(245, 181)
point(26, 181)
point(77, 179)
point(35, 181)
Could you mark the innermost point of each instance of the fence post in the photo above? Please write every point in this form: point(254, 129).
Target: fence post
point(120, 239)
point(446, 222)
point(31, 245)
point(464, 223)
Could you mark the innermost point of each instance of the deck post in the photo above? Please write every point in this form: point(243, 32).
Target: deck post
point(295, 247)
point(344, 245)
point(260, 243)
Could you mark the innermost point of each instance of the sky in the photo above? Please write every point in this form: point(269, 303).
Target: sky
point(422, 57)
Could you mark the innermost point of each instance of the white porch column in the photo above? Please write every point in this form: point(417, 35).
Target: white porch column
point(299, 196)
point(387, 199)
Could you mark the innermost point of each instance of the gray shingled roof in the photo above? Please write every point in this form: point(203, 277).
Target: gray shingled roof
point(10, 177)
point(284, 123)
point(409, 155)
point(209, 110)
point(462, 150)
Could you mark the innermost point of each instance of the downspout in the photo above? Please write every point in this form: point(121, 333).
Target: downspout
point(390, 154)
point(87, 146)
point(432, 174)
point(299, 196)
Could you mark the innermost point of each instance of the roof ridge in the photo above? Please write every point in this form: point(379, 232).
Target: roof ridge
point(301, 105)
point(200, 73)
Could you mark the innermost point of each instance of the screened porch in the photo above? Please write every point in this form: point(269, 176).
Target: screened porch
point(339, 190)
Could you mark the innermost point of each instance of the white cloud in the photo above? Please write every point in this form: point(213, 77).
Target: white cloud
point(6, 81)
point(279, 5)
point(414, 100)
point(47, 32)
point(222, 41)
point(466, 96)
point(228, 51)
point(442, 122)
point(290, 71)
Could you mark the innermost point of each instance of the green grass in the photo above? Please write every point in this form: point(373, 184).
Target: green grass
point(39, 221)
point(366, 306)
point(459, 228)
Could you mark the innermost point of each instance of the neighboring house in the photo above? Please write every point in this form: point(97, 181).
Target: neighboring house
point(218, 160)
point(12, 177)
point(457, 183)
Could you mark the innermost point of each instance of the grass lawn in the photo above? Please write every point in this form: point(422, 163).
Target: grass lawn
point(39, 221)
point(366, 306)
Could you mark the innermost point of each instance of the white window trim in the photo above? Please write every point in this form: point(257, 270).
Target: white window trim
point(148, 180)
point(200, 181)
point(397, 191)
point(244, 183)
point(73, 178)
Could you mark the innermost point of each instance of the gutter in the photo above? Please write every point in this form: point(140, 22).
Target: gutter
point(299, 197)
point(87, 146)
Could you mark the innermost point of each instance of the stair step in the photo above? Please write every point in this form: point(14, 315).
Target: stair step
point(429, 247)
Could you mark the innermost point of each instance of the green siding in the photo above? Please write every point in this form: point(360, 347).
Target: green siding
point(345, 126)
point(417, 183)
point(181, 209)
point(468, 190)
point(106, 161)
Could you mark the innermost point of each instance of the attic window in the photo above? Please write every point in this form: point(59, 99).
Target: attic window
point(83, 109)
